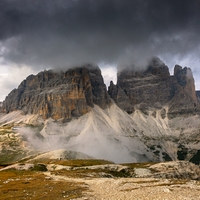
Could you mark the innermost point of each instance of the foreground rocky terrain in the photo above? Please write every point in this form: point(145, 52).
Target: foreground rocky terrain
point(46, 177)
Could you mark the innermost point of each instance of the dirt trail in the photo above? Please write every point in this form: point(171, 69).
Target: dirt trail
point(136, 188)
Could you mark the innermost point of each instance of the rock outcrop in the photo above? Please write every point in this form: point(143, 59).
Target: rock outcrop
point(154, 87)
point(59, 94)
point(176, 169)
point(147, 87)
point(198, 95)
point(184, 100)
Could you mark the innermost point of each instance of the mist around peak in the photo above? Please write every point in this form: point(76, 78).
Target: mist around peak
point(62, 34)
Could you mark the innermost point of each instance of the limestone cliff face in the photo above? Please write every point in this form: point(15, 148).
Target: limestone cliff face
point(64, 95)
point(184, 100)
point(59, 95)
point(148, 87)
point(154, 87)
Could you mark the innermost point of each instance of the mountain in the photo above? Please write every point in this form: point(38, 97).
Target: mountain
point(59, 94)
point(155, 88)
point(149, 115)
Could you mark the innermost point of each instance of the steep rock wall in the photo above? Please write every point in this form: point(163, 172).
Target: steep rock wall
point(154, 88)
point(59, 94)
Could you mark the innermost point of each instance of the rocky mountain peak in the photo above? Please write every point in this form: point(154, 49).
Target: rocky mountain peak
point(59, 94)
point(184, 75)
point(154, 86)
point(147, 86)
point(184, 99)
point(157, 67)
point(64, 95)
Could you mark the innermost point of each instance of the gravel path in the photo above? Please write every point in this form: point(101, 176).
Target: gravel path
point(136, 188)
point(143, 189)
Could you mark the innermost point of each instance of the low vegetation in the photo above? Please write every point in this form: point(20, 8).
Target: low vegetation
point(73, 163)
point(139, 165)
point(35, 185)
point(67, 179)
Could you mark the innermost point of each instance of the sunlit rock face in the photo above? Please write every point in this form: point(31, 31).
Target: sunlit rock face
point(59, 94)
point(154, 87)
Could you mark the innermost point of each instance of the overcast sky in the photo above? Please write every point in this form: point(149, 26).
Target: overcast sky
point(44, 34)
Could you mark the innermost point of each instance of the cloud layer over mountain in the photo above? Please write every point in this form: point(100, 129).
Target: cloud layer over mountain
point(60, 33)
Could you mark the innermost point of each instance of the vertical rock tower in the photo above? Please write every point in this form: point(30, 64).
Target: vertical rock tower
point(154, 87)
point(59, 94)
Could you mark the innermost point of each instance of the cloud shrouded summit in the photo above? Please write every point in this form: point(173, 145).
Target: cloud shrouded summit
point(60, 33)
point(44, 34)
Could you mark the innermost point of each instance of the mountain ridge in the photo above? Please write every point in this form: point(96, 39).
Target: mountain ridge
point(59, 95)
point(147, 116)
point(82, 87)
point(154, 87)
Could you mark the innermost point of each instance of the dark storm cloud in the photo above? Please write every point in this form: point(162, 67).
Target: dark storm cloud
point(59, 33)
